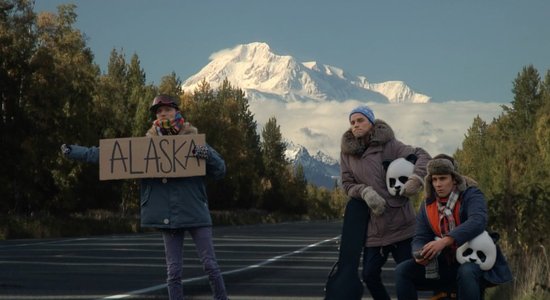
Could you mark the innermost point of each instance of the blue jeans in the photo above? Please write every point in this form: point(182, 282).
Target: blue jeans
point(173, 248)
point(410, 277)
point(373, 260)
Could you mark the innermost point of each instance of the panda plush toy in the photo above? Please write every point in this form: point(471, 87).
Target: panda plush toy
point(480, 250)
point(398, 172)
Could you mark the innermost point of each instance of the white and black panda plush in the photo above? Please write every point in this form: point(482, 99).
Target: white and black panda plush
point(480, 250)
point(398, 172)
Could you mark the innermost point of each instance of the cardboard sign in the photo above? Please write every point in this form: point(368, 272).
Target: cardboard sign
point(146, 157)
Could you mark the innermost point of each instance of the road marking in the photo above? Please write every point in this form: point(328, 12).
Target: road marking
point(42, 243)
point(244, 269)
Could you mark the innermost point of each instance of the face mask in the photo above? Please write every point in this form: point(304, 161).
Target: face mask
point(480, 250)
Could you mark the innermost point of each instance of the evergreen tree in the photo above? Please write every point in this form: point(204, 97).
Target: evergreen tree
point(509, 158)
point(50, 107)
point(230, 128)
point(273, 153)
point(527, 97)
point(138, 121)
point(19, 44)
point(542, 127)
point(273, 149)
point(206, 112)
point(112, 99)
point(115, 110)
point(243, 144)
point(476, 152)
point(296, 192)
point(141, 96)
point(171, 85)
point(143, 118)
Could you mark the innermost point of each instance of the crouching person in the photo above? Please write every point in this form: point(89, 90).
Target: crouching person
point(453, 213)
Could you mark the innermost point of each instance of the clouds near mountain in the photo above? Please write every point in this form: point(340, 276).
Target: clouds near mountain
point(436, 127)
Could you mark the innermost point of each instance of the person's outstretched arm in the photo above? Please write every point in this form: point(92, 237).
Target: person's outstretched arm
point(81, 153)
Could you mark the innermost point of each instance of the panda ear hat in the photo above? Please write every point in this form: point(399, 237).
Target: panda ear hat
point(443, 164)
point(412, 158)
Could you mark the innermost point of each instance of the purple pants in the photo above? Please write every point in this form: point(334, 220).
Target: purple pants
point(173, 248)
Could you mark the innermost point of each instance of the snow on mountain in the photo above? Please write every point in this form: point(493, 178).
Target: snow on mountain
point(326, 159)
point(320, 170)
point(263, 74)
point(398, 92)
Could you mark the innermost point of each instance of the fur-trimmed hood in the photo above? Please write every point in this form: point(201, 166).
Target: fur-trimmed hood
point(443, 164)
point(186, 129)
point(380, 134)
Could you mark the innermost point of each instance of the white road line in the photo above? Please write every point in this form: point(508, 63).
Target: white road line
point(42, 243)
point(254, 266)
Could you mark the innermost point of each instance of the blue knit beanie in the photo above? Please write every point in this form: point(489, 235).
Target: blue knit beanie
point(365, 111)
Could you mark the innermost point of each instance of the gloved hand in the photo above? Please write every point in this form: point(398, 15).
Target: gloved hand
point(201, 152)
point(413, 185)
point(65, 149)
point(376, 203)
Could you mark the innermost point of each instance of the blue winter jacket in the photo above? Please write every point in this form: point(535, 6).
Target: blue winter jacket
point(473, 221)
point(179, 202)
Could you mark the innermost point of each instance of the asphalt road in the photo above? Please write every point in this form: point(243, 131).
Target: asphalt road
point(275, 261)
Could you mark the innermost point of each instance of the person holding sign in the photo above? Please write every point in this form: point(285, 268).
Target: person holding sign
point(178, 204)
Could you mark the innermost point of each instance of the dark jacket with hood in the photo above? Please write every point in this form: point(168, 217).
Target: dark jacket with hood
point(361, 163)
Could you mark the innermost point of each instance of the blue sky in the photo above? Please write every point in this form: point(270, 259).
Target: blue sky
point(449, 50)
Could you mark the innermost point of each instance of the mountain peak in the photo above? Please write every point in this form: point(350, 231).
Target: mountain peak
point(242, 52)
point(253, 52)
point(321, 169)
point(255, 46)
point(262, 74)
point(325, 158)
point(250, 67)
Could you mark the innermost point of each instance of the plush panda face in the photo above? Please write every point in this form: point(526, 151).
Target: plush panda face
point(480, 250)
point(397, 174)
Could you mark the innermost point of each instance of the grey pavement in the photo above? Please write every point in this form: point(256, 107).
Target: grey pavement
point(271, 261)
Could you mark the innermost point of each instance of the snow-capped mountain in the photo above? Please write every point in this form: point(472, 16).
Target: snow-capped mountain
point(262, 74)
point(320, 169)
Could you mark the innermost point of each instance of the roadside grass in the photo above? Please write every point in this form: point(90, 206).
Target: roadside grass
point(531, 271)
point(99, 222)
point(49, 226)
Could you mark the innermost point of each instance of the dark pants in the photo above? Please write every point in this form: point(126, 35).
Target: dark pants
point(373, 260)
point(410, 277)
point(173, 248)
